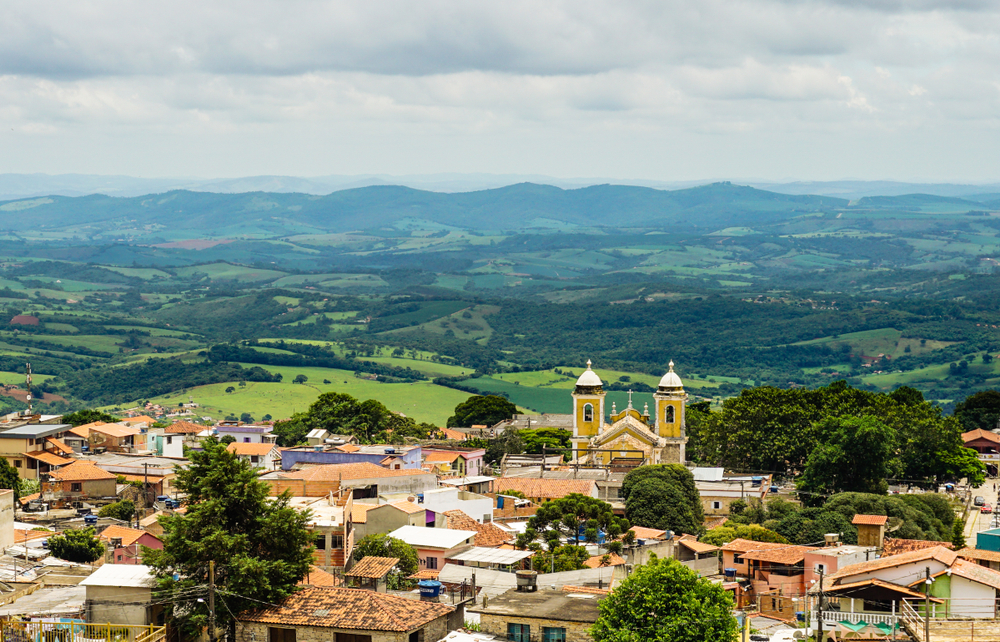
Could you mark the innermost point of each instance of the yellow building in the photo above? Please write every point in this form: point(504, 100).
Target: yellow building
point(629, 434)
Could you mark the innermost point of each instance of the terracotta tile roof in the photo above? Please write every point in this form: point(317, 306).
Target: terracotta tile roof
point(81, 471)
point(786, 554)
point(425, 574)
point(979, 554)
point(318, 577)
point(60, 446)
point(696, 546)
point(116, 430)
point(152, 479)
point(372, 567)
point(976, 573)
point(441, 457)
point(979, 433)
point(939, 553)
point(543, 488)
point(248, 450)
point(641, 532)
point(360, 470)
point(869, 520)
point(348, 448)
point(892, 546)
point(745, 545)
point(359, 512)
point(128, 535)
point(589, 590)
point(22, 535)
point(27, 498)
point(80, 431)
point(49, 458)
point(408, 507)
point(457, 435)
point(351, 609)
point(184, 428)
point(488, 535)
point(902, 590)
point(138, 420)
point(597, 561)
point(715, 523)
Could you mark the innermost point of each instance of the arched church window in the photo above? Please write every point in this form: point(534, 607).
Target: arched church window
point(588, 412)
point(668, 415)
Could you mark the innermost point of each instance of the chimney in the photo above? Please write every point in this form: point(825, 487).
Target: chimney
point(832, 539)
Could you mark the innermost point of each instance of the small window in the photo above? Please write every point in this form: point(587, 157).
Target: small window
point(17, 463)
point(336, 541)
point(76, 488)
point(737, 559)
point(246, 440)
point(254, 459)
point(588, 412)
point(668, 415)
point(553, 634)
point(352, 637)
point(275, 634)
point(821, 568)
point(321, 543)
point(716, 505)
point(432, 563)
point(170, 439)
point(518, 632)
point(119, 558)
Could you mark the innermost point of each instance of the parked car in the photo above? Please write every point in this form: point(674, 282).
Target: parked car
point(986, 508)
point(979, 500)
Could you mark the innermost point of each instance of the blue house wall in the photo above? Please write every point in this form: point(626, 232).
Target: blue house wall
point(289, 458)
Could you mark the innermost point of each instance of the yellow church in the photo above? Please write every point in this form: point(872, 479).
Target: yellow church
point(660, 438)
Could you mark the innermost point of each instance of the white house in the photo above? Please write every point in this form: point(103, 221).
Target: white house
point(440, 500)
point(264, 456)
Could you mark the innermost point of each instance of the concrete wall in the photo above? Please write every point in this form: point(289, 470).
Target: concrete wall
point(497, 625)
point(411, 459)
point(6, 519)
point(478, 507)
point(121, 605)
point(971, 599)
point(387, 518)
point(430, 632)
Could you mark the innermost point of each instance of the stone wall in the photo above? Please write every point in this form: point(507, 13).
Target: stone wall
point(497, 625)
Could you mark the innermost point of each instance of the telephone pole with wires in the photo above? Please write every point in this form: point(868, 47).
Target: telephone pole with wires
point(819, 607)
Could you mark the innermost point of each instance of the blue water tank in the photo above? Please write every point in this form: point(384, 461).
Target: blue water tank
point(730, 573)
point(429, 588)
point(90, 520)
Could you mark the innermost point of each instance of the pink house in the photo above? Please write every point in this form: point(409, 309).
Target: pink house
point(834, 558)
point(125, 544)
point(771, 568)
point(434, 544)
point(465, 462)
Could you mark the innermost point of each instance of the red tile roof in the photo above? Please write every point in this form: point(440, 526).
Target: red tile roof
point(597, 561)
point(892, 546)
point(786, 554)
point(81, 471)
point(128, 535)
point(49, 458)
point(869, 520)
point(457, 435)
point(979, 433)
point(361, 470)
point(408, 507)
point(116, 430)
point(589, 590)
point(318, 577)
point(184, 428)
point(351, 609)
point(359, 512)
point(696, 546)
point(979, 554)
point(488, 535)
point(939, 553)
point(60, 446)
point(745, 545)
point(641, 532)
point(976, 573)
point(373, 567)
point(543, 488)
point(248, 450)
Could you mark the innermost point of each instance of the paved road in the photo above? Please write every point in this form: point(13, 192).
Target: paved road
point(981, 521)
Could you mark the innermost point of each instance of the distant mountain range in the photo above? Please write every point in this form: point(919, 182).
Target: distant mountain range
point(16, 186)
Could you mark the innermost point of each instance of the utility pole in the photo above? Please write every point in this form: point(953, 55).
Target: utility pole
point(819, 618)
point(211, 601)
point(927, 604)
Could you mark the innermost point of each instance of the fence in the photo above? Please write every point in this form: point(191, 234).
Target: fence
point(78, 631)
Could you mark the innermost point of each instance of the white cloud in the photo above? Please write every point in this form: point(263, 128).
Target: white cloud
point(582, 87)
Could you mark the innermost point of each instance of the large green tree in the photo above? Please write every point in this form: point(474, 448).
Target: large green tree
point(663, 496)
point(370, 421)
point(575, 518)
point(485, 410)
point(9, 478)
point(80, 546)
point(87, 416)
point(123, 510)
point(260, 545)
point(856, 457)
point(981, 410)
point(381, 545)
point(664, 601)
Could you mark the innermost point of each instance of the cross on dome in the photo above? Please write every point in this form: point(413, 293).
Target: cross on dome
point(630, 400)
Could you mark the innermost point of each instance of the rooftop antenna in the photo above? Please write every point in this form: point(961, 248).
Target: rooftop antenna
point(27, 378)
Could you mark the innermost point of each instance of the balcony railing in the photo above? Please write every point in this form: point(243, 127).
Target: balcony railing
point(79, 631)
point(834, 617)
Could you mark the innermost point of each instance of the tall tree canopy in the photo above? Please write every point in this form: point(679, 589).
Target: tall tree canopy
point(857, 457)
point(381, 545)
point(260, 544)
point(370, 421)
point(664, 601)
point(981, 410)
point(575, 517)
point(9, 478)
point(88, 416)
point(663, 496)
point(771, 429)
point(482, 410)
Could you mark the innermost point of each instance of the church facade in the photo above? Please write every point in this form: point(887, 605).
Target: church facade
point(658, 438)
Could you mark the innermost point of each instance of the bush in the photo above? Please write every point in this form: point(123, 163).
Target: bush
point(123, 510)
point(80, 546)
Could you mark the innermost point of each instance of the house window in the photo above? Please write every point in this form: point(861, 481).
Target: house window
point(321, 543)
point(668, 415)
point(553, 634)
point(119, 558)
point(32, 464)
point(432, 563)
point(716, 505)
point(821, 568)
point(254, 459)
point(415, 636)
point(336, 541)
point(275, 634)
point(76, 488)
point(518, 632)
point(588, 412)
point(353, 637)
point(737, 559)
point(170, 440)
point(17, 463)
point(246, 440)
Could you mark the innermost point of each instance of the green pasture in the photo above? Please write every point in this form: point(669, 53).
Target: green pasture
point(17, 378)
point(881, 341)
point(139, 273)
point(229, 272)
point(474, 328)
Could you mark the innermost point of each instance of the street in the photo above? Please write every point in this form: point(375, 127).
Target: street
point(979, 521)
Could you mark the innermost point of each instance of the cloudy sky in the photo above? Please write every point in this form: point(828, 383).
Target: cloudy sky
point(662, 89)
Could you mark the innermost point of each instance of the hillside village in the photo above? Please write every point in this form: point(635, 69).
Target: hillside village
point(477, 549)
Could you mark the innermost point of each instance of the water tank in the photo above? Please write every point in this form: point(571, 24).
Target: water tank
point(162, 498)
point(527, 581)
point(390, 451)
point(90, 520)
point(429, 589)
point(730, 573)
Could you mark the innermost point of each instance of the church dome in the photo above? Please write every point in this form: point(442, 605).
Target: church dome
point(671, 380)
point(589, 378)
